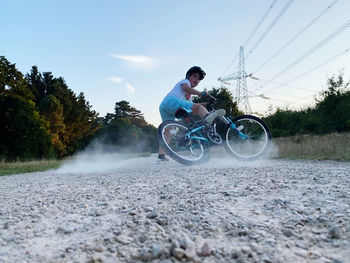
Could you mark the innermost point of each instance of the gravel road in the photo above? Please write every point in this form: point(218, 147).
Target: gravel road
point(140, 211)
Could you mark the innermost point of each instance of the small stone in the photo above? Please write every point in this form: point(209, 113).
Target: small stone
point(64, 230)
point(287, 232)
point(132, 213)
point(334, 232)
point(266, 259)
point(143, 238)
point(205, 251)
point(189, 248)
point(122, 240)
point(152, 214)
point(162, 220)
point(157, 250)
point(99, 249)
point(84, 205)
point(145, 255)
point(236, 254)
point(95, 212)
point(178, 253)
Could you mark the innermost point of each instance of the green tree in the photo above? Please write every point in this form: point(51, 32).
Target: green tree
point(127, 130)
point(52, 110)
point(23, 132)
point(36, 85)
point(224, 100)
point(334, 105)
point(123, 109)
point(76, 122)
point(330, 114)
point(12, 81)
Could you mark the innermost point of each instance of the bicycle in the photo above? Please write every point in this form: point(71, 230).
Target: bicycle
point(188, 141)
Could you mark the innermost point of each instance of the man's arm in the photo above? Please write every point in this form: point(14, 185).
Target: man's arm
point(193, 91)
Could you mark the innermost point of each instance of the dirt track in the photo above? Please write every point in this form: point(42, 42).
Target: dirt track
point(136, 211)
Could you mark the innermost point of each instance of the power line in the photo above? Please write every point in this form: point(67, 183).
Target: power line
point(297, 35)
point(286, 84)
point(280, 93)
point(292, 80)
point(260, 22)
point(313, 49)
point(270, 26)
point(252, 34)
point(319, 65)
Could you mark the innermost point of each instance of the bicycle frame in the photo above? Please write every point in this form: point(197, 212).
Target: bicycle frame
point(201, 127)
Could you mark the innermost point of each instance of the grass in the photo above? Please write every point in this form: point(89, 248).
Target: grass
point(335, 146)
point(7, 168)
point(18, 167)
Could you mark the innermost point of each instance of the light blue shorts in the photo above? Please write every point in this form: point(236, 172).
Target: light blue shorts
point(170, 105)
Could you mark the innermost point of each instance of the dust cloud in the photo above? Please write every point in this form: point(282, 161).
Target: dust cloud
point(98, 157)
point(103, 158)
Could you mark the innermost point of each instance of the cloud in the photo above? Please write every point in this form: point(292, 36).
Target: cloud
point(137, 62)
point(130, 89)
point(115, 79)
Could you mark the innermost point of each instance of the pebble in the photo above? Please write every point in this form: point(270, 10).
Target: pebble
point(205, 251)
point(287, 232)
point(152, 214)
point(242, 212)
point(157, 250)
point(334, 232)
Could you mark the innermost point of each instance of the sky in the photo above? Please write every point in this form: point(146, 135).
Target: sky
point(137, 50)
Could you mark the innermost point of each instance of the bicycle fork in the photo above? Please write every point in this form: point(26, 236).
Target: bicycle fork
point(236, 128)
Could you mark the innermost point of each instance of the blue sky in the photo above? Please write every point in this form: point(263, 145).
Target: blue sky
point(137, 50)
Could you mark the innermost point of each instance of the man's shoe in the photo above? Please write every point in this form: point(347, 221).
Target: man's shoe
point(162, 159)
point(212, 116)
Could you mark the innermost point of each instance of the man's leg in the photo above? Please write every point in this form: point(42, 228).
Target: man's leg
point(199, 110)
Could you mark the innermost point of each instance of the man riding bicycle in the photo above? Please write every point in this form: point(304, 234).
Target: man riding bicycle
point(180, 97)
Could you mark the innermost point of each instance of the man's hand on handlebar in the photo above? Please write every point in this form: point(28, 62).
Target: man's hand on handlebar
point(205, 94)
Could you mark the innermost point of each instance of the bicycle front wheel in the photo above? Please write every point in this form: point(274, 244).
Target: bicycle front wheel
point(252, 147)
point(172, 138)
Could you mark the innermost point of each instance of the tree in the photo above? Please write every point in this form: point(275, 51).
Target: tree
point(23, 132)
point(12, 81)
point(330, 114)
point(72, 120)
point(36, 85)
point(334, 105)
point(127, 130)
point(123, 109)
point(52, 110)
point(224, 100)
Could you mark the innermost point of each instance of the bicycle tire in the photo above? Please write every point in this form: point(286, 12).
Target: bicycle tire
point(253, 148)
point(170, 147)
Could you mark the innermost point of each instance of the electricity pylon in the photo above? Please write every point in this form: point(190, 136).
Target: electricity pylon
point(241, 94)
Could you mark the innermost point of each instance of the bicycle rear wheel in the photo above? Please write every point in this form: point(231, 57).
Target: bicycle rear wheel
point(171, 137)
point(255, 145)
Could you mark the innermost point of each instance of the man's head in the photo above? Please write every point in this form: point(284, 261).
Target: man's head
point(195, 74)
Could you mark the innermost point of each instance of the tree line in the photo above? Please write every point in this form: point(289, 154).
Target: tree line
point(42, 118)
point(330, 114)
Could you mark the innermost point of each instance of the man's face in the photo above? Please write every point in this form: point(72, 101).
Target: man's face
point(194, 79)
